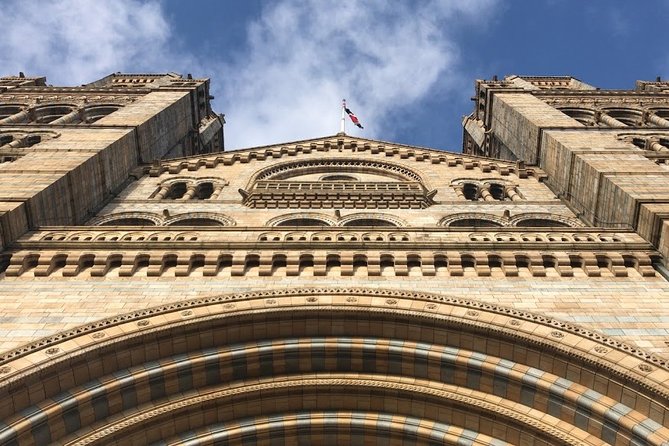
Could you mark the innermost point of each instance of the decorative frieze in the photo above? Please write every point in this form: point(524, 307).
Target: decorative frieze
point(328, 263)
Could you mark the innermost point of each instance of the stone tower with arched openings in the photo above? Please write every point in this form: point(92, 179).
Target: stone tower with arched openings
point(337, 290)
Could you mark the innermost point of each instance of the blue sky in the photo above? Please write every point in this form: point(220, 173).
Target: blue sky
point(280, 68)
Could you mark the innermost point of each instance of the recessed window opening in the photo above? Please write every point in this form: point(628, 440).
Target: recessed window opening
point(303, 222)
point(9, 110)
point(639, 142)
point(630, 117)
point(205, 191)
point(541, 223)
point(197, 222)
point(129, 222)
point(92, 114)
point(474, 222)
point(177, 190)
point(497, 192)
point(470, 191)
point(369, 222)
point(584, 116)
point(50, 113)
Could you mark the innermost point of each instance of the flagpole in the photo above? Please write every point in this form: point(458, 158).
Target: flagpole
point(342, 126)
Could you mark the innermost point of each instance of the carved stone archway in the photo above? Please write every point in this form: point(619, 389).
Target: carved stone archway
point(361, 363)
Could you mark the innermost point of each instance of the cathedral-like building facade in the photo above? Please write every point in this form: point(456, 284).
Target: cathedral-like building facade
point(156, 289)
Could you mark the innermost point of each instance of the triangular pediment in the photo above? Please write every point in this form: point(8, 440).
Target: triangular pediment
point(342, 144)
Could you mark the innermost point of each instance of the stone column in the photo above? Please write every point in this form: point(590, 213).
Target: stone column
point(189, 192)
point(217, 191)
point(17, 143)
point(608, 120)
point(22, 116)
point(658, 121)
point(162, 192)
point(656, 146)
point(458, 190)
point(485, 193)
point(70, 118)
point(512, 193)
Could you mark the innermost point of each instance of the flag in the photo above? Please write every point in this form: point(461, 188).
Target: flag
point(353, 117)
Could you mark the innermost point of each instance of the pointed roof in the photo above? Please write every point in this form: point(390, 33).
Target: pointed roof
point(343, 142)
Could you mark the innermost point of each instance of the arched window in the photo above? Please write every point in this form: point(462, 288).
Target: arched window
point(92, 114)
point(49, 113)
point(583, 115)
point(474, 222)
point(197, 222)
point(627, 116)
point(136, 221)
point(9, 110)
point(204, 191)
point(541, 223)
point(303, 222)
point(369, 222)
point(470, 191)
point(497, 191)
point(177, 190)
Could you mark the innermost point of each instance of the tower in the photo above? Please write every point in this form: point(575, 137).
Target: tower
point(604, 151)
point(337, 290)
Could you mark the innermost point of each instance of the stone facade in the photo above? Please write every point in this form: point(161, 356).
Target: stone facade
point(338, 290)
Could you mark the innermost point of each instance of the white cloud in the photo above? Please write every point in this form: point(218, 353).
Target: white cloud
point(300, 59)
point(78, 41)
point(304, 56)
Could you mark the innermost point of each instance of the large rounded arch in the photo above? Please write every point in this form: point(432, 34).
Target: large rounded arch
point(629, 116)
point(371, 219)
point(543, 219)
point(473, 219)
point(302, 219)
point(280, 171)
point(128, 219)
point(585, 116)
point(199, 219)
point(273, 364)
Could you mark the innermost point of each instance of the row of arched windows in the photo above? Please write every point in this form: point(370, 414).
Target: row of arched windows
point(54, 113)
point(618, 116)
point(466, 220)
point(190, 189)
point(23, 139)
point(473, 190)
